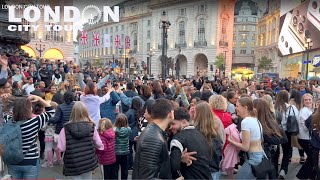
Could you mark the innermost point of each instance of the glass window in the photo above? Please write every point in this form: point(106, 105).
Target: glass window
point(148, 46)
point(116, 28)
point(253, 44)
point(243, 44)
point(135, 41)
point(244, 35)
point(202, 8)
point(234, 36)
point(201, 30)
point(182, 32)
point(148, 34)
point(107, 30)
point(111, 30)
point(252, 51)
point(233, 51)
point(182, 12)
point(122, 27)
point(149, 22)
point(243, 51)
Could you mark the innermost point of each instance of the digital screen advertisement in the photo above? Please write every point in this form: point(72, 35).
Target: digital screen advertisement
point(299, 26)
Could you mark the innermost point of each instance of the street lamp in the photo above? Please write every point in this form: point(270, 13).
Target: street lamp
point(164, 26)
point(150, 54)
point(41, 48)
point(308, 46)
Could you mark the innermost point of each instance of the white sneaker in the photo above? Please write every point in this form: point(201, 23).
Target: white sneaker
point(282, 174)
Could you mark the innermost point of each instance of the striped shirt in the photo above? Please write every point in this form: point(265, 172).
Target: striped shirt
point(29, 131)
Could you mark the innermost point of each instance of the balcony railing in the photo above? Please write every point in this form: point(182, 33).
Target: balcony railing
point(54, 38)
point(223, 43)
point(200, 44)
point(181, 45)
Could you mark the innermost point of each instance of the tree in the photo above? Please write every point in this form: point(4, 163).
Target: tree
point(219, 61)
point(265, 63)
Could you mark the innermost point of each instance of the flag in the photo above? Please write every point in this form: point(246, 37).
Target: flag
point(127, 42)
point(84, 37)
point(107, 40)
point(95, 39)
point(117, 41)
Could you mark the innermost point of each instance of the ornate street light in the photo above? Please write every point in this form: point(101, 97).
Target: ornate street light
point(41, 48)
point(308, 47)
point(150, 54)
point(164, 26)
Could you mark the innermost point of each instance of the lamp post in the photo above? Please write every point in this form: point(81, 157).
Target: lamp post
point(150, 54)
point(41, 48)
point(308, 46)
point(164, 26)
point(224, 63)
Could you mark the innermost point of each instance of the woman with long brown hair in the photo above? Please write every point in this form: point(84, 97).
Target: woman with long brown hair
point(79, 140)
point(205, 122)
point(273, 135)
point(284, 109)
point(251, 133)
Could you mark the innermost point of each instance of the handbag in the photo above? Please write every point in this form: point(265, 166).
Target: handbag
point(292, 123)
point(265, 167)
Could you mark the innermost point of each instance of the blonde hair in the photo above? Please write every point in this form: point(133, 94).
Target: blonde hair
point(79, 113)
point(269, 101)
point(104, 124)
point(305, 96)
point(218, 102)
point(204, 121)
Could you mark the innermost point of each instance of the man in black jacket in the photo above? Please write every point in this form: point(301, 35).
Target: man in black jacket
point(188, 137)
point(152, 157)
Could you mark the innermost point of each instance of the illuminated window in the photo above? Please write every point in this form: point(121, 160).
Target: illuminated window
point(244, 35)
point(252, 44)
point(234, 44)
point(253, 36)
point(234, 37)
point(243, 44)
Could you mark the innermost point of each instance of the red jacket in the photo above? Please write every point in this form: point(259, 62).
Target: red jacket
point(107, 156)
point(225, 117)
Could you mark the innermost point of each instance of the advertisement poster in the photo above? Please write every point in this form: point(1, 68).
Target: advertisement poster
point(299, 25)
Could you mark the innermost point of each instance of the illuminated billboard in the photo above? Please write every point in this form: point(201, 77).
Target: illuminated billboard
point(299, 24)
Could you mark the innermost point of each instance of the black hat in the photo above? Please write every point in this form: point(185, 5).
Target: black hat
point(3, 82)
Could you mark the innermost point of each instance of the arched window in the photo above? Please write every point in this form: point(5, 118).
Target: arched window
point(182, 33)
point(201, 30)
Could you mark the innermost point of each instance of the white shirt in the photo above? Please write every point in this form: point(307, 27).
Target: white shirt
point(251, 124)
point(29, 88)
point(303, 130)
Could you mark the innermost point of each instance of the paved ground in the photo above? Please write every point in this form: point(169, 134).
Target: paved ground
point(56, 172)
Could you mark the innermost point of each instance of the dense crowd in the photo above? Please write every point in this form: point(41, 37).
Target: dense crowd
point(159, 128)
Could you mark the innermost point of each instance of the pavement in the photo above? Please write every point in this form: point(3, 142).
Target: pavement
point(56, 172)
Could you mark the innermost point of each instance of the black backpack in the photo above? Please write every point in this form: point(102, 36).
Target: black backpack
point(292, 122)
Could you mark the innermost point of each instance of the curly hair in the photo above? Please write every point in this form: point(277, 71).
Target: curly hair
point(218, 102)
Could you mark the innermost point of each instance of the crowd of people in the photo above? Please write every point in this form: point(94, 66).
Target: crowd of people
point(166, 128)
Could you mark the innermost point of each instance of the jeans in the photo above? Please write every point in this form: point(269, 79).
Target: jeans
point(245, 172)
point(132, 144)
point(287, 153)
point(122, 160)
point(24, 172)
point(306, 170)
point(215, 175)
point(110, 171)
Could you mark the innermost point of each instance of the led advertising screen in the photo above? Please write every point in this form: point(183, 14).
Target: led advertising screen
point(299, 25)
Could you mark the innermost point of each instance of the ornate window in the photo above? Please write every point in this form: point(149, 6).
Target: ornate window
point(201, 30)
point(182, 33)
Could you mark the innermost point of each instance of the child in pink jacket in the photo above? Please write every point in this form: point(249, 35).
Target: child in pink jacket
point(107, 157)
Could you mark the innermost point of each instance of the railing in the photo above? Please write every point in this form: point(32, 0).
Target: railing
point(181, 45)
point(200, 44)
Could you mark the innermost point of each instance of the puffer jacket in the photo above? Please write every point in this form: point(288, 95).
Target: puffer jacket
point(61, 116)
point(107, 108)
point(122, 140)
point(80, 151)
point(108, 155)
point(152, 158)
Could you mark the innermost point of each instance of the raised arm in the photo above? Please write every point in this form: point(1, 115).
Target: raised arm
point(103, 81)
point(81, 82)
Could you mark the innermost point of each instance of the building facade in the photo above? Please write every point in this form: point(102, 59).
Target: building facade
point(246, 16)
point(192, 43)
point(268, 34)
point(48, 44)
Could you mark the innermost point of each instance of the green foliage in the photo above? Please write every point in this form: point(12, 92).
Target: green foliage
point(265, 63)
point(219, 61)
